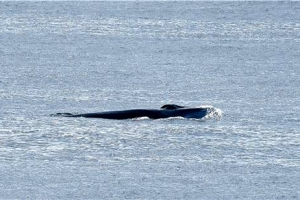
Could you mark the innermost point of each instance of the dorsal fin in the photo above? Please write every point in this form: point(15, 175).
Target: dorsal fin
point(171, 107)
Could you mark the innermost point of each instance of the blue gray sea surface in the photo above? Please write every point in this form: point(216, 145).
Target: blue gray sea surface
point(240, 57)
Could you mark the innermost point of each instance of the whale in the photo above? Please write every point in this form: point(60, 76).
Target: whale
point(166, 111)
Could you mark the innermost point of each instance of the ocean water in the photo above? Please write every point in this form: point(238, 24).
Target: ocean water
point(240, 57)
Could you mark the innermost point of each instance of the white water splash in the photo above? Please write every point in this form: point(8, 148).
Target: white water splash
point(212, 112)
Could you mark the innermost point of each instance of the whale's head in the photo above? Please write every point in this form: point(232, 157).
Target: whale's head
point(194, 113)
point(173, 110)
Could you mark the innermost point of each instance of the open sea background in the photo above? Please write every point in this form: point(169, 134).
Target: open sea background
point(240, 57)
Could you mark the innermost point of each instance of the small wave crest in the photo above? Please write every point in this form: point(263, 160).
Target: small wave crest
point(61, 115)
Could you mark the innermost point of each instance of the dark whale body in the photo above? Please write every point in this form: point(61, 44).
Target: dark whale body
point(166, 111)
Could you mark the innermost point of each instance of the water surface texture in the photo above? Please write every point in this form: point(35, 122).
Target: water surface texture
point(240, 57)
